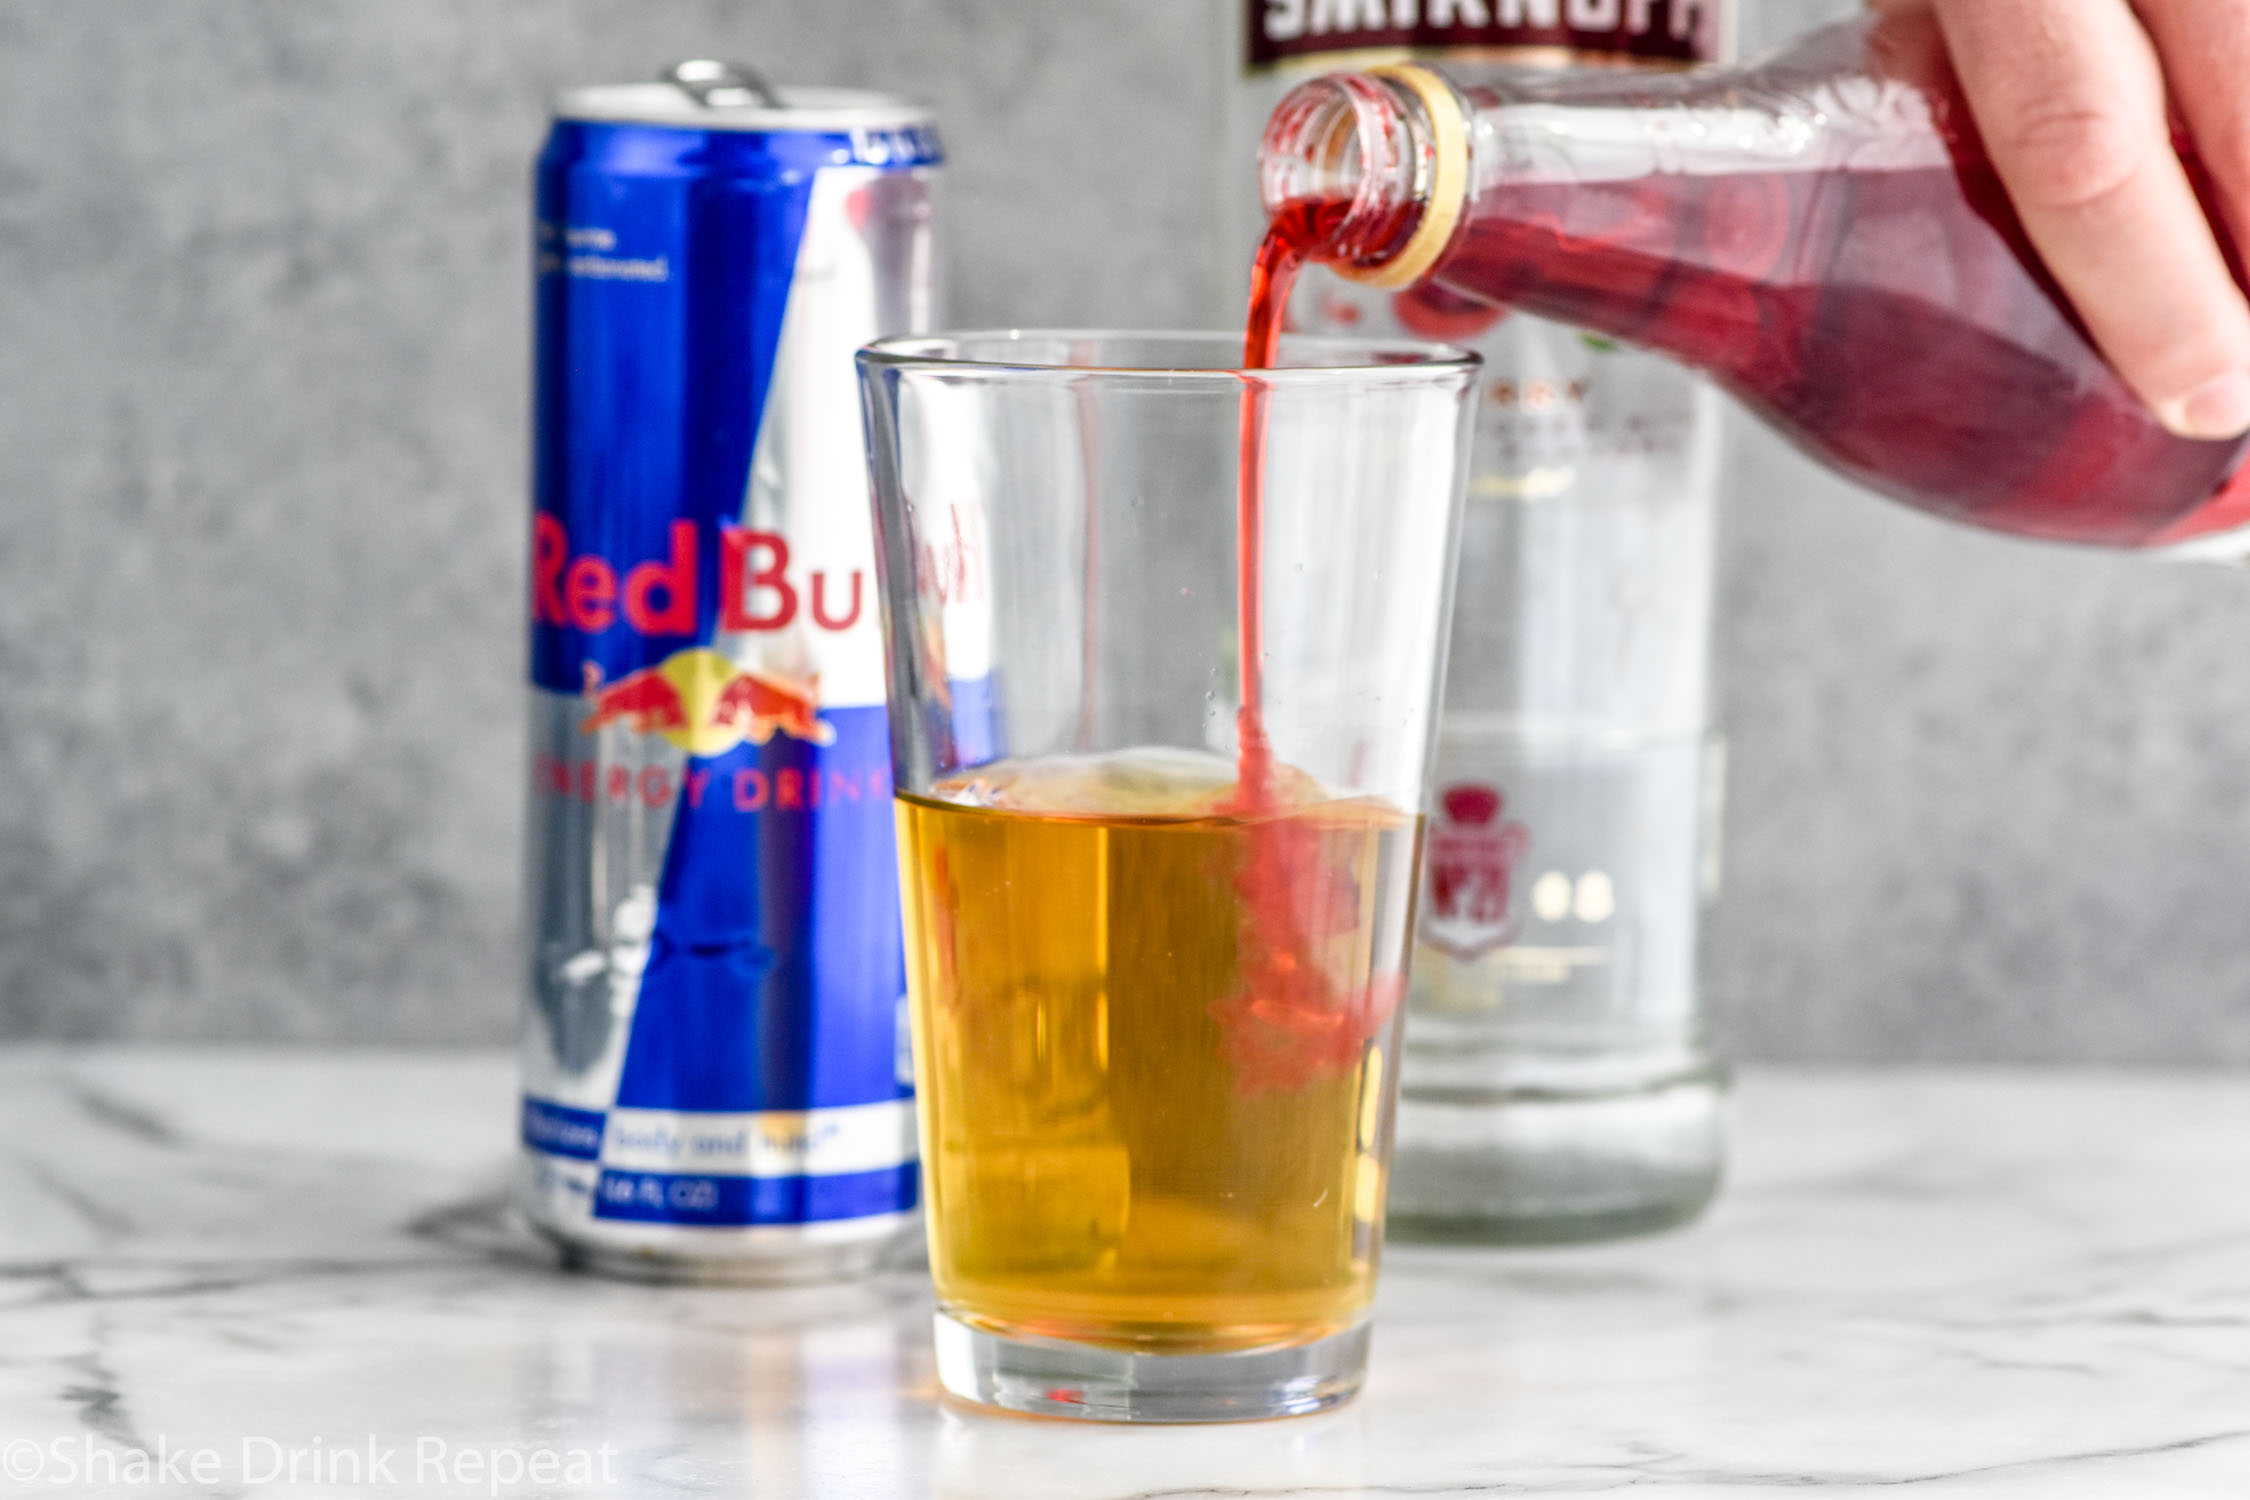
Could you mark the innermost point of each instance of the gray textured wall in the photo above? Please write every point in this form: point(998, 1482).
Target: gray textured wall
point(262, 350)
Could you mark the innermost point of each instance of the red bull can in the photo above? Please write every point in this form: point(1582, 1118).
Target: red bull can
point(717, 1081)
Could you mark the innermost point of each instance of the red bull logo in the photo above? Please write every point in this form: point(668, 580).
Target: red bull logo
point(759, 587)
point(706, 703)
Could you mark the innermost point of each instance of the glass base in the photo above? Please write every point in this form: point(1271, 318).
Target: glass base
point(1545, 1166)
point(1049, 1378)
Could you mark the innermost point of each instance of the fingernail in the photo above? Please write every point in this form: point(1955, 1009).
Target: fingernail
point(2219, 409)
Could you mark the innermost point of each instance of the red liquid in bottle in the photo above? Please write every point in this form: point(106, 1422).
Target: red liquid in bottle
point(1894, 322)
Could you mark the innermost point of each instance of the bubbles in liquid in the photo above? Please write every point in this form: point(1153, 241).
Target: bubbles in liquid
point(1147, 781)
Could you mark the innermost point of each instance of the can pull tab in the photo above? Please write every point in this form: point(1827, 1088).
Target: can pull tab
point(720, 85)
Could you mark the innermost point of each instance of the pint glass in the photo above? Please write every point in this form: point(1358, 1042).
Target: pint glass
point(1159, 897)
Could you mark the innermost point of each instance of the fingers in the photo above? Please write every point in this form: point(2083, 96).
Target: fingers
point(2070, 99)
point(2205, 49)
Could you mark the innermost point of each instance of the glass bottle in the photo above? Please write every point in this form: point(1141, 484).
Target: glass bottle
point(1557, 1081)
point(1819, 230)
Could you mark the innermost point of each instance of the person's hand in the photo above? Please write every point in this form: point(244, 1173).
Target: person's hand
point(2071, 97)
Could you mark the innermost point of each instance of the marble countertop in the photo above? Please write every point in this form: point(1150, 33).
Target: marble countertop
point(214, 1264)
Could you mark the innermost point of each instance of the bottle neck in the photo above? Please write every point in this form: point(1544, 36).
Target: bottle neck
point(1367, 172)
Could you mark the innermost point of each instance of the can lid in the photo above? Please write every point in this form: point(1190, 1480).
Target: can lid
point(705, 94)
point(718, 84)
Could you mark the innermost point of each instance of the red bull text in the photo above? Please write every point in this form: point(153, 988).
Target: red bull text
point(716, 1071)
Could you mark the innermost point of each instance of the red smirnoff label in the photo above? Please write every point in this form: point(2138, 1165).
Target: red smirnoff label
point(1679, 31)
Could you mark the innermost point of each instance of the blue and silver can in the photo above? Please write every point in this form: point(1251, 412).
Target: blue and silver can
point(717, 1081)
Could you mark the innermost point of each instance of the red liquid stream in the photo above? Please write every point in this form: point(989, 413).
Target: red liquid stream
point(1273, 274)
point(1298, 234)
point(1291, 1021)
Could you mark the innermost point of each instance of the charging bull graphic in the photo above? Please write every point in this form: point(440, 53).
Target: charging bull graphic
point(706, 704)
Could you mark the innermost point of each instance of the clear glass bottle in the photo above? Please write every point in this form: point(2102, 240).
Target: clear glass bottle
point(1557, 1082)
point(1821, 231)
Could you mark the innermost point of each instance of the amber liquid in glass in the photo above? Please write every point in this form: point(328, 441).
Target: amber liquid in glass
point(1151, 1072)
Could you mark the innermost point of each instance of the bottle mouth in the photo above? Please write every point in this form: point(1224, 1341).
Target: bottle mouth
point(1345, 147)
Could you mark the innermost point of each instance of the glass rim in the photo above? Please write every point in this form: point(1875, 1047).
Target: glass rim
point(1363, 355)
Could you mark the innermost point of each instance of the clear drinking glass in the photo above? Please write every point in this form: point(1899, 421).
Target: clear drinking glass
point(1155, 954)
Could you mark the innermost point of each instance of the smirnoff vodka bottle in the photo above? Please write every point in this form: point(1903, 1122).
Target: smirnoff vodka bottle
point(1557, 1082)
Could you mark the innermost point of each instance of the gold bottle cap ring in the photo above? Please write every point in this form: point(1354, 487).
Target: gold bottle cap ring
point(1449, 183)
